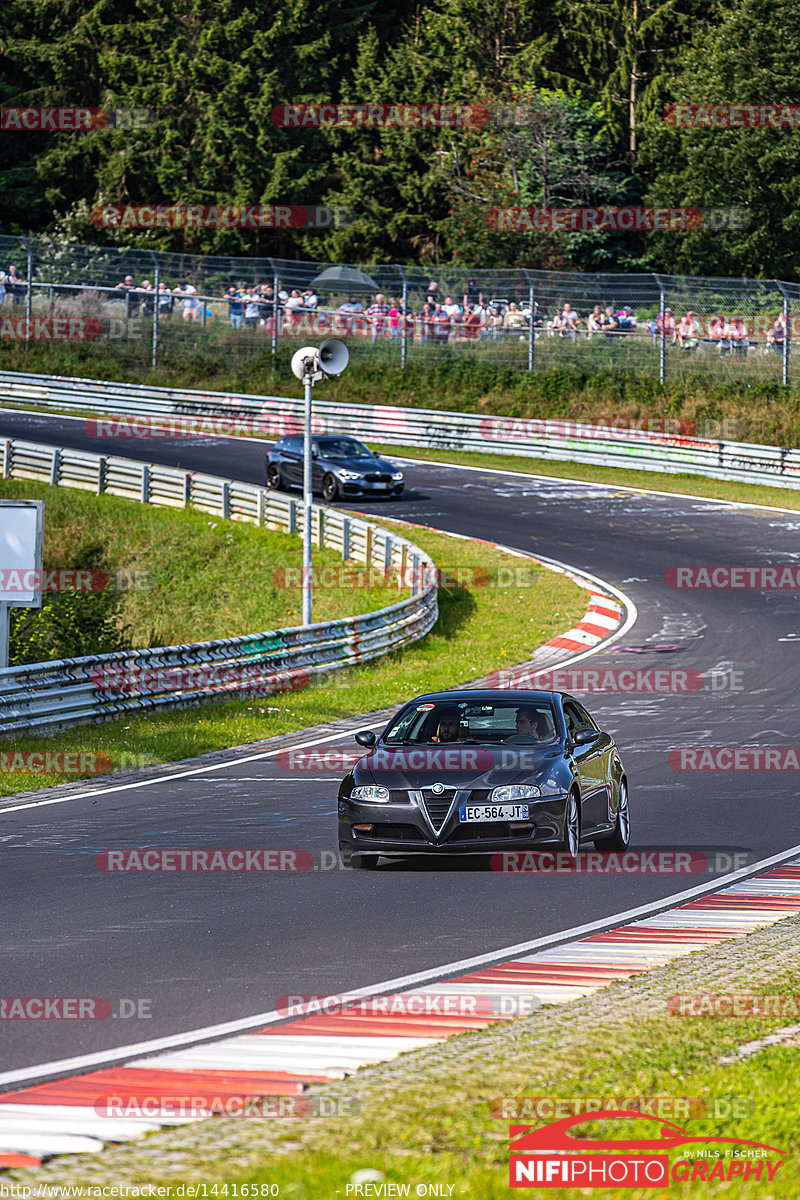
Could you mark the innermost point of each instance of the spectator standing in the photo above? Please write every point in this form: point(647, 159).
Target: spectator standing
point(148, 297)
point(252, 301)
point(440, 325)
point(426, 322)
point(474, 321)
point(348, 321)
point(3, 278)
point(495, 321)
point(376, 315)
point(166, 301)
point(191, 304)
point(473, 295)
point(235, 307)
point(432, 294)
point(395, 316)
point(776, 336)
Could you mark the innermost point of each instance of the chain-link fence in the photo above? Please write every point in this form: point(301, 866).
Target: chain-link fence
point(159, 308)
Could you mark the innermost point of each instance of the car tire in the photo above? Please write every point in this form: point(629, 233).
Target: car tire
point(571, 839)
point(620, 838)
point(274, 477)
point(353, 860)
point(330, 488)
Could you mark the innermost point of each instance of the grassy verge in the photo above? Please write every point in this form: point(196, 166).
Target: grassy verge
point(479, 629)
point(185, 576)
point(679, 484)
point(427, 1117)
point(587, 386)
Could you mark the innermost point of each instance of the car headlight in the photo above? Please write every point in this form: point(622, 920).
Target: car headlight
point(515, 791)
point(397, 475)
point(369, 794)
point(348, 475)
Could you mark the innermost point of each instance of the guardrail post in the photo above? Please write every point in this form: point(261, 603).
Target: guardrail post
point(55, 462)
point(416, 582)
point(388, 547)
point(320, 527)
point(346, 537)
point(7, 452)
point(101, 474)
point(261, 509)
point(226, 499)
point(187, 489)
point(368, 549)
point(291, 517)
point(403, 565)
point(145, 486)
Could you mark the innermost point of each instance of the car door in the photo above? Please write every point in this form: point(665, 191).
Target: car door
point(318, 467)
point(292, 461)
point(592, 760)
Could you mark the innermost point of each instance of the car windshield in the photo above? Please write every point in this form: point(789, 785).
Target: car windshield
point(342, 448)
point(483, 724)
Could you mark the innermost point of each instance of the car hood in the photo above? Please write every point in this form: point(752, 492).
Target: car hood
point(414, 767)
point(360, 464)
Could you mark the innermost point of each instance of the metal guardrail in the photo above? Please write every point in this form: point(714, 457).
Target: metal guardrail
point(97, 687)
point(274, 416)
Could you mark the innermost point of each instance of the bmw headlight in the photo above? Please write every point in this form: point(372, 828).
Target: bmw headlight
point(397, 475)
point(515, 791)
point(369, 794)
point(348, 475)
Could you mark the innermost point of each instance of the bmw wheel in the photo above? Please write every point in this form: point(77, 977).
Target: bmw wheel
point(330, 488)
point(274, 479)
point(571, 839)
point(620, 838)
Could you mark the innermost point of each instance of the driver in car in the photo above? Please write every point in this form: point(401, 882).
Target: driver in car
point(448, 728)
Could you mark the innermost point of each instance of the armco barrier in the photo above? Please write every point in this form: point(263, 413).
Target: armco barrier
point(557, 440)
point(101, 686)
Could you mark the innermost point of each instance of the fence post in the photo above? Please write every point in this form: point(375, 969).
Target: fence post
point(403, 322)
point(531, 330)
point(662, 347)
point(274, 307)
point(156, 307)
point(29, 303)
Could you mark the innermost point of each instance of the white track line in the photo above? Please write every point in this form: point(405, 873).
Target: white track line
point(84, 1062)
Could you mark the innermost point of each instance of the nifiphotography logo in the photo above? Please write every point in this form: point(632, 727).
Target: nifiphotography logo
point(551, 1157)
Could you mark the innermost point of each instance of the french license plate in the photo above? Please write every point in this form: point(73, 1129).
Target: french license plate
point(493, 812)
point(380, 485)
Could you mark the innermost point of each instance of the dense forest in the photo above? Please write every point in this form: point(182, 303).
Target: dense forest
point(578, 96)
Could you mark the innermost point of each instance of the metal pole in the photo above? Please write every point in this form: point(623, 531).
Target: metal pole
point(531, 330)
point(5, 633)
point(156, 307)
point(662, 350)
point(307, 497)
point(274, 308)
point(786, 337)
point(403, 321)
point(29, 305)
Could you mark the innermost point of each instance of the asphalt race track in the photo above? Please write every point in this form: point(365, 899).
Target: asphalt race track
point(205, 948)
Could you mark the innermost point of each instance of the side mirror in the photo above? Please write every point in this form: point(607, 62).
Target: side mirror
point(314, 452)
point(366, 738)
point(585, 736)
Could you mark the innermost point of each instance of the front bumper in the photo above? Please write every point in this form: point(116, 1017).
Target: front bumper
point(356, 487)
point(403, 828)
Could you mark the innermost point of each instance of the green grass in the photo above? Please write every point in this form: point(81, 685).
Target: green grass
point(428, 1116)
point(480, 629)
point(678, 484)
point(588, 382)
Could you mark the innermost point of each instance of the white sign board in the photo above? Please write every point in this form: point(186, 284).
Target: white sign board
point(21, 543)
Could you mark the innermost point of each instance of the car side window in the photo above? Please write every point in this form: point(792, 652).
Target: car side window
point(292, 445)
point(576, 718)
